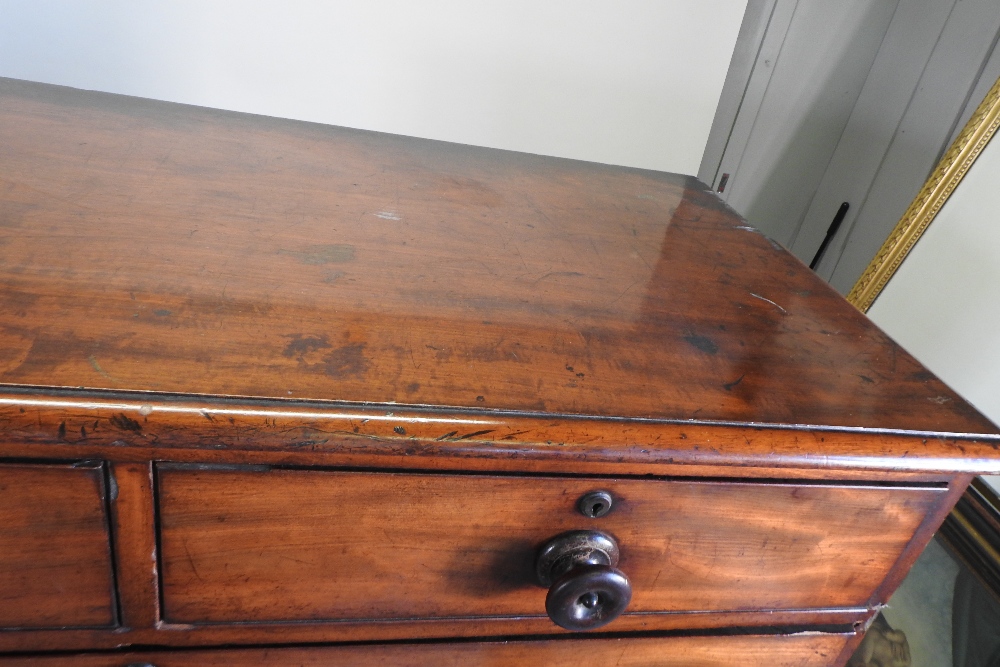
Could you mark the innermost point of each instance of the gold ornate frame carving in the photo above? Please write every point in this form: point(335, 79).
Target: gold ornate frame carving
point(938, 187)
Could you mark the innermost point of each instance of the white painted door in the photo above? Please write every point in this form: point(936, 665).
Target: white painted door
point(852, 101)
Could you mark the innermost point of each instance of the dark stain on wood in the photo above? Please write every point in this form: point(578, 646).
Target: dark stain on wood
point(300, 345)
point(346, 361)
point(125, 423)
point(703, 343)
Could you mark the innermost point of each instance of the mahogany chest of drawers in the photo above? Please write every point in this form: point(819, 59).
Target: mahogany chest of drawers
point(276, 393)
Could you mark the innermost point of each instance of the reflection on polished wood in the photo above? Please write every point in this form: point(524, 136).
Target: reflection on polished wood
point(159, 247)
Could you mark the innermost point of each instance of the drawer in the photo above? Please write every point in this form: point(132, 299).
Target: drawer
point(814, 650)
point(278, 545)
point(55, 556)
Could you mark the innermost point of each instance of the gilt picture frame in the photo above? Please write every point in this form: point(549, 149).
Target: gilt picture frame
point(947, 175)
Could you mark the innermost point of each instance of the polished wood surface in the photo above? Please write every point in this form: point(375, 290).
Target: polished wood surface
point(284, 545)
point(161, 247)
point(334, 386)
point(55, 554)
point(139, 427)
point(135, 545)
point(753, 651)
point(186, 637)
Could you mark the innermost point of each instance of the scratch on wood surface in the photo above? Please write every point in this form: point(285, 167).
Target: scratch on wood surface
point(97, 367)
point(623, 293)
point(758, 296)
point(728, 386)
point(474, 434)
point(572, 274)
point(190, 558)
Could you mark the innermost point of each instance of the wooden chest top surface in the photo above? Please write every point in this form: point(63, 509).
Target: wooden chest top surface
point(158, 247)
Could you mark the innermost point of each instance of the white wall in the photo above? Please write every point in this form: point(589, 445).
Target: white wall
point(633, 82)
point(943, 304)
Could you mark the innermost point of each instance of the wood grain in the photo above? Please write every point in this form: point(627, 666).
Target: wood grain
point(185, 292)
point(285, 545)
point(167, 635)
point(161, 247)
point(928, 527)
point(135, 544)
point(753, 651)
point(138, 427)
point(55, 554)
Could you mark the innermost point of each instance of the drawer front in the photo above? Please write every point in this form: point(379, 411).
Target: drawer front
point(295, 545)
point(814, 650)
point(55, 556)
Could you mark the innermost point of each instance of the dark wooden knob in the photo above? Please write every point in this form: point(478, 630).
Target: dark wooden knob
point(586, 591)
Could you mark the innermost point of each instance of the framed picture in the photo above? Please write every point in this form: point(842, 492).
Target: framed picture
point(929, 202)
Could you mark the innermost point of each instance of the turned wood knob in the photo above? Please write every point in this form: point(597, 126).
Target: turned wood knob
point(586, 591)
